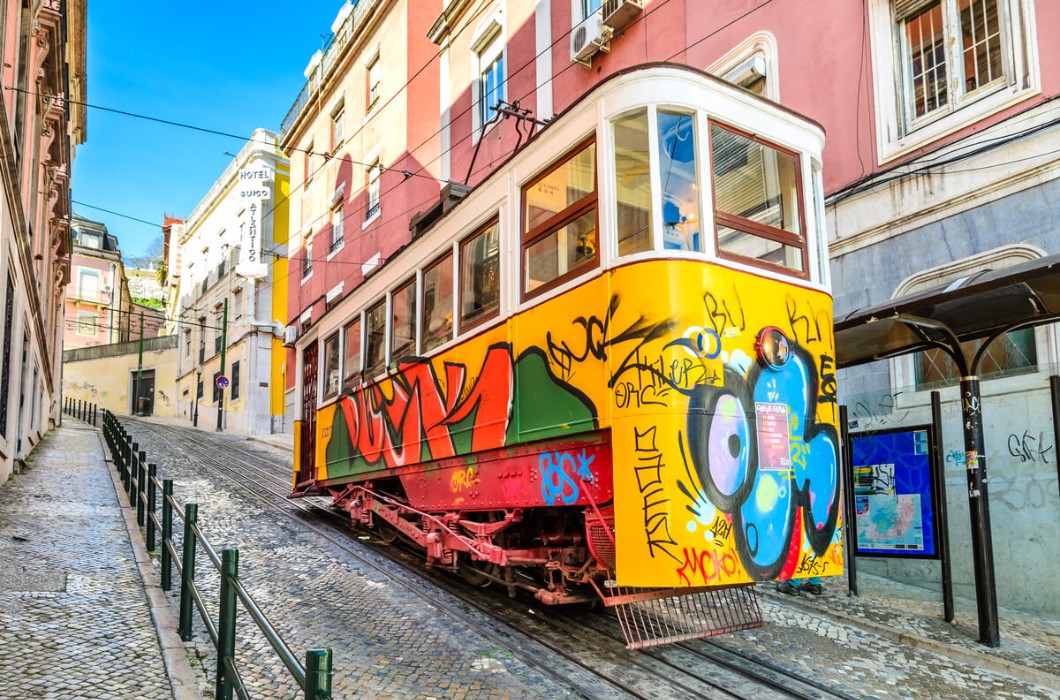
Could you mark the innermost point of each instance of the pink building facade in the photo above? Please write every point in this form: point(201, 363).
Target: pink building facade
point(98, 303)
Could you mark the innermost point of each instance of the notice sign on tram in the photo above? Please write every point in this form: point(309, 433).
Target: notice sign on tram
point(222, 382)
point(894, 495)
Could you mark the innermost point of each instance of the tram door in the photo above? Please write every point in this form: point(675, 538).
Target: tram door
point(308, 437)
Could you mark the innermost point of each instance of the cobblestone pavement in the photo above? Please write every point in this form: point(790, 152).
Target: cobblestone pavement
point(389, 644)
point(386, 641)
point(74, 620)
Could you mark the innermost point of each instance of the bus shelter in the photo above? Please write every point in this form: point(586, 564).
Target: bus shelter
point(983, 306)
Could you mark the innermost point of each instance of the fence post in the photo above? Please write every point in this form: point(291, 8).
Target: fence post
point(226, 623)
point(318, 674)
point(187, 577)
point(152, 471)
point(141, 489)
point(167, 534)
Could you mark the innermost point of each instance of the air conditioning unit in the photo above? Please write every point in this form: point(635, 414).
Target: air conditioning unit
point(618, 13)
point(290, 334)
point(588, 38)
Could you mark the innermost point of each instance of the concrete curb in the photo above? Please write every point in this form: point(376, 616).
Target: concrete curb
point(182, 679)
point(975, 658)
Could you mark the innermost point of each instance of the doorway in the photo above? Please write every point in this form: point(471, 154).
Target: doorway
point(143, 393)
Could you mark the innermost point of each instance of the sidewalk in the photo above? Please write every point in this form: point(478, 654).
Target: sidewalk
point(913, 616)
point(76, 616)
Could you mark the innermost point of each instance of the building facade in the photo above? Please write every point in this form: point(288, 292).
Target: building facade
point(41, 123)
point(232, 295)
point(940, 161)
point(98, 302)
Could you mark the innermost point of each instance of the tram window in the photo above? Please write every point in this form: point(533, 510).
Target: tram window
point(480, 277)
point(375, 348)
point(680, 186)
point(403, 329)
point(436, 311)
point(559, 224)
point(633, 183)
point(331, 368)
point(351, 362)
point(756, 199)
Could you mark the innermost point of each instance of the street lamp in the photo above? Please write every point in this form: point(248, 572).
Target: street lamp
point(195, 409)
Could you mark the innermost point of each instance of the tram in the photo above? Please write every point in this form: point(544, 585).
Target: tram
point(609, 367)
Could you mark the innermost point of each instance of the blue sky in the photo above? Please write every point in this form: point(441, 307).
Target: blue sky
point(229, 66)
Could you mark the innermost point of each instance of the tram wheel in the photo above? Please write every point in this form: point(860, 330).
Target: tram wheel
point(387, 532)
point(474, 572)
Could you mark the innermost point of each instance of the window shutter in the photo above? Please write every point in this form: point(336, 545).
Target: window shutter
point(907, 9)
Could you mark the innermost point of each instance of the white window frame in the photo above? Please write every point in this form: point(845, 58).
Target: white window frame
point(82, 274)
point(757, 54)
point(84, 317)
point(373, 79)
point(338, 125)
point(373, 175)
point(895, 137)
point(488, 44)
point(307, 257)
point(338, 225)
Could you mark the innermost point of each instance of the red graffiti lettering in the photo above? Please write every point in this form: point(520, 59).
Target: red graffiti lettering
point(710, 565)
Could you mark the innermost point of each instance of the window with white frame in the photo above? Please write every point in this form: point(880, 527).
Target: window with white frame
point(752, 65)
point(338, 118)
point(590, 6)
point(373, 72)
point(954, 62)
point(373, 174)
point(337, 227)
point(307, 257)
point(489, 84)
point(86, 324)
point(237, 303)
point(88, 285)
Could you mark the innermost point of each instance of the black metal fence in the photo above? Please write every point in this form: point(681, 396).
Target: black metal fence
point(141, 483)
point(81, 410)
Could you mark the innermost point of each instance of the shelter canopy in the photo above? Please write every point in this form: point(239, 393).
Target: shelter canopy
point(981, 305)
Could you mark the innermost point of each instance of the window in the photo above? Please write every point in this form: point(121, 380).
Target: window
point(373, 76)
point(633, 183)
point(337, 227)
point(217, 391)
point(88, 285)
point(89, 240)
point(559, 222)
point(218, 336)
point(237, 304)
point(86, 324)
point(331, 368)
point(436, 310)
point(351, 363)
point(480, 276)
point(187, 343)
point(680, 186)
point(375, 348)
point(757, 204)
point(307, 164)
point(591, 6)
point(198, 388)
point(491, 90)
point(202, 339)
point(338, 117)
point(954, 62)
point(375, 170)
point(403, 329)
point(235, 381)
point(307, 257)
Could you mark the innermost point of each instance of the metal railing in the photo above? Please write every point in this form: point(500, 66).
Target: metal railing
point(81, 410)
point(142, 485)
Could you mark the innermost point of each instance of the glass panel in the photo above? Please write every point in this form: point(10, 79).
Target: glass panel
point(338, 225)
point(633, 183)
point(561, 251)
point(926, 60)
point(374, 351)
point(403, 340)
point(680, 186)
point(491, 87)
point(1015, 353)
point(437, 317)
point(331, 368)
point(561, 188)
point(749, 245)
point(351, 364)
point(480, 277)
point(981, 40)
point(754, 181)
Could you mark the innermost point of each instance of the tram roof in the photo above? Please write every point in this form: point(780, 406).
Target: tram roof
point(981, 305)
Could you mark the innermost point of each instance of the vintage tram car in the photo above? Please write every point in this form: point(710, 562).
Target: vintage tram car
point(608, 366)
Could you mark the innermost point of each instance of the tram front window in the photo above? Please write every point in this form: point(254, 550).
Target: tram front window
point(680, 187)
point(633, 183)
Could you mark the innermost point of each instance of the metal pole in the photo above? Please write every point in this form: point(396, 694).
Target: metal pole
point(224, 346)
point(139, 369)
point(226, 623)
point(195, 411)
point(187, 578)
point(1054, 391)
point(979, 511)
point(318, 674)
point(167, 533)
point(850, 531)
point(152, 471)
point(141, 489)
point(941, 517)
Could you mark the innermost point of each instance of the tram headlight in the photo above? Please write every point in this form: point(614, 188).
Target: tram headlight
point(772, 347)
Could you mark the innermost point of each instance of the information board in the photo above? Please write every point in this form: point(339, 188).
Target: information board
point(894, 494)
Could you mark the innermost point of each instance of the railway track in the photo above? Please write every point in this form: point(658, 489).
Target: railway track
point(581, 650)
